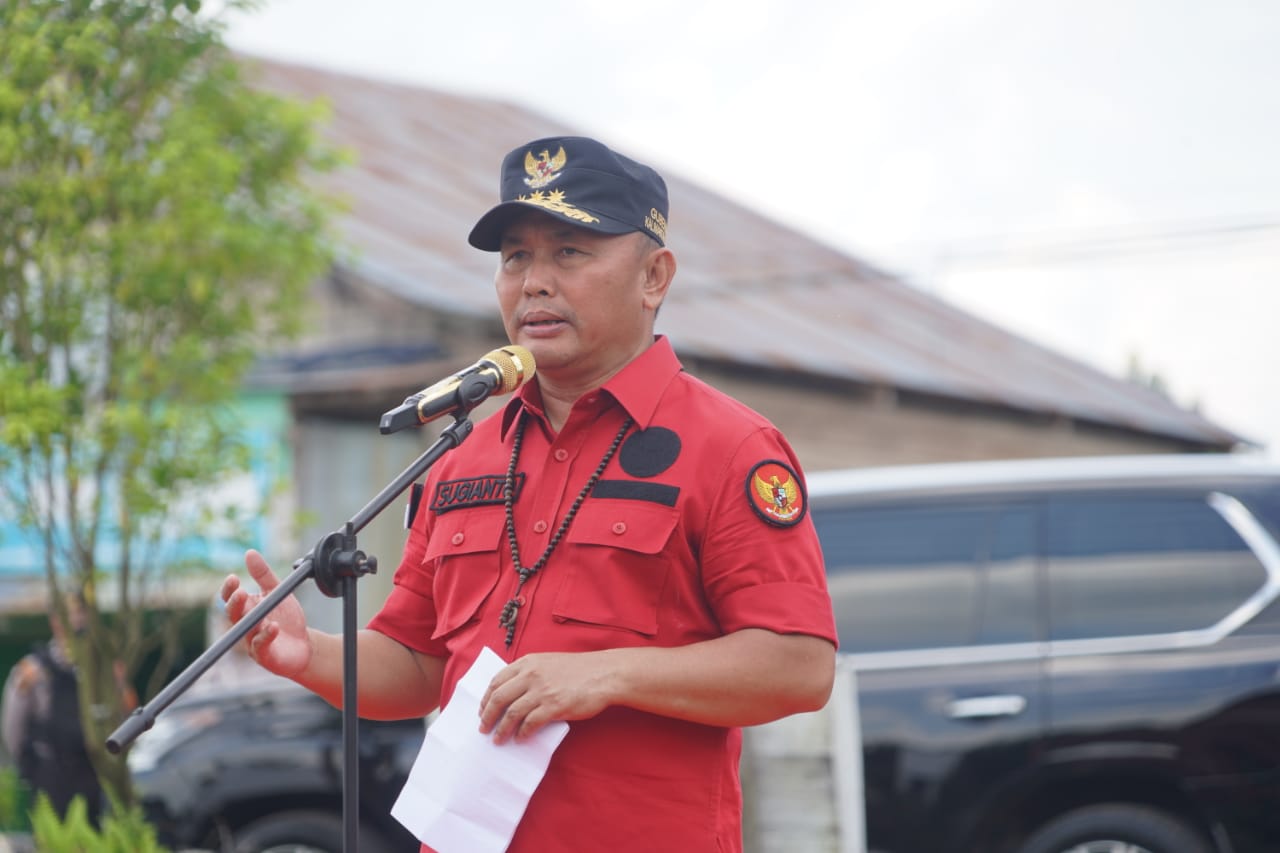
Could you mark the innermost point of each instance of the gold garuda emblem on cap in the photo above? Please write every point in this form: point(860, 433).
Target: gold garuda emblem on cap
point(544, 168)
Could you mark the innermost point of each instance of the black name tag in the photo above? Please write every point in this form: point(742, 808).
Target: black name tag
point(475, 491)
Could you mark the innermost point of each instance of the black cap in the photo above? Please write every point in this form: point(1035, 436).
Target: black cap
point(580, 181)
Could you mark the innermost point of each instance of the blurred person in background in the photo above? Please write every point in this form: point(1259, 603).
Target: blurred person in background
point(40, 718)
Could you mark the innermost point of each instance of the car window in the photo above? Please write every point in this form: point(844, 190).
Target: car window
point(1009, 578)
point(1264, 503)
point(923, 577)
point(1143, 564)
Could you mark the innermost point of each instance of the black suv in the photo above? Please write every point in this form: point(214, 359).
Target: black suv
point(259, 770)
point(1062, 656)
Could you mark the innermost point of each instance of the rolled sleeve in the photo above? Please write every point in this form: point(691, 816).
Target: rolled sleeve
point(784, 608)
point(409, 618)
point(762, 574)
point(409, 614)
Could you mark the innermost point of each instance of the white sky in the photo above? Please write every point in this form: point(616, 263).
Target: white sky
point(1087, 173)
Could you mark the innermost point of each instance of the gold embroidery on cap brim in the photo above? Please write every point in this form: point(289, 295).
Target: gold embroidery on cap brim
point(555, 202)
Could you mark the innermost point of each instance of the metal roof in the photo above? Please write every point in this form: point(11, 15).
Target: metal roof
point(748, 290)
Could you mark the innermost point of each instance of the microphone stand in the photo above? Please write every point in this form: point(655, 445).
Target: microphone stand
point(336, 564)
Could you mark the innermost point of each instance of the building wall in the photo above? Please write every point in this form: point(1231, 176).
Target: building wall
point(342, 465)
point(855, 428)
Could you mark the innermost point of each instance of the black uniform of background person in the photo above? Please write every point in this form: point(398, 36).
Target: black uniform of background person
point(41, 724)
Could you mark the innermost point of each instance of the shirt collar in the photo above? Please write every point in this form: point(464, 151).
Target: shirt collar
point(528, 397)
point(638, 387)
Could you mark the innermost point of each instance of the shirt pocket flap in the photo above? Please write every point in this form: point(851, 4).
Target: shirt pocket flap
point(637, 526)
point(466, 532)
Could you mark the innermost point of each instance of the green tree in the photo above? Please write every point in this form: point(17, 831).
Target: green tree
point(158, 226)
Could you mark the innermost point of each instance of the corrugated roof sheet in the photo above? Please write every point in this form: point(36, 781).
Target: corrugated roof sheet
point(748, 290)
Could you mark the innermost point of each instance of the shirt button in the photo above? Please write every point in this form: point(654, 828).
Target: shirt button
point(619, 527)
point(539, 527)
point(561, 455)
point(457, 538)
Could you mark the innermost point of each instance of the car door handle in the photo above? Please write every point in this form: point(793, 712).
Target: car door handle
point(982, 707)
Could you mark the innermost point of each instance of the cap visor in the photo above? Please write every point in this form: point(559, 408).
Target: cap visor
point(487, 233)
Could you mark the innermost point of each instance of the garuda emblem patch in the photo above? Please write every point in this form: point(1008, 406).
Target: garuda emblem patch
point(776, 493)
point(544, 168)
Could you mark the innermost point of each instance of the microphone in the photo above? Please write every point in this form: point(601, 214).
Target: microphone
point(499, 372)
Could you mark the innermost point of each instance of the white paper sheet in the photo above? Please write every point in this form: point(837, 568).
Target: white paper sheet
point(466, 794)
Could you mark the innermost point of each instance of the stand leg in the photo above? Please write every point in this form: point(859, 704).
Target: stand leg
point(350, 722)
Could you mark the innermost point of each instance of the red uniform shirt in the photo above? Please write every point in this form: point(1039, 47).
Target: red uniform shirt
point(696, 528)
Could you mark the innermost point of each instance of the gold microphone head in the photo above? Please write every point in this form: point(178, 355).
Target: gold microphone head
point(515, 365)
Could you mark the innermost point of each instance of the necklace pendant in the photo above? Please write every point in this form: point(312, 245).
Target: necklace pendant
point(510, 612)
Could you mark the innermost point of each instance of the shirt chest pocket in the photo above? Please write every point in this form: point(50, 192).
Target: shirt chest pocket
point(464, 546)
point(618, 567)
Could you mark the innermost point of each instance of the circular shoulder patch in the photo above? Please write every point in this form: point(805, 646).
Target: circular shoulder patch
point(776, 493)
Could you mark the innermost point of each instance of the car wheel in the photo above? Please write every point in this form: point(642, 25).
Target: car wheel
point(1116, 829)
point(301, 832)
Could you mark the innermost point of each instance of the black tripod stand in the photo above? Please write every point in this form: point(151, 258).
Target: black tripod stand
point(336, 564)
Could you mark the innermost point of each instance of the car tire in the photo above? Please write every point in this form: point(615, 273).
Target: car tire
point(301, 832)
point(1113, 828)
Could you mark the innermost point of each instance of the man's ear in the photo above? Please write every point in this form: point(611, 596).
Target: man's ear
point(660, 269)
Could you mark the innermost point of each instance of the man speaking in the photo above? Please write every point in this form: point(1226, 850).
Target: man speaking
point(633, 543)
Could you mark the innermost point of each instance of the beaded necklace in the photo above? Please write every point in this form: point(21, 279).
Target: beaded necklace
point(511, 610)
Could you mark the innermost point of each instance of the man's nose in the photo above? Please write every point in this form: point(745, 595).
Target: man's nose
point(539, 278)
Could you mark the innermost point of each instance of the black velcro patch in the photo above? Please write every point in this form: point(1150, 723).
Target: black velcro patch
point(658, 493)
point(649, 452)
